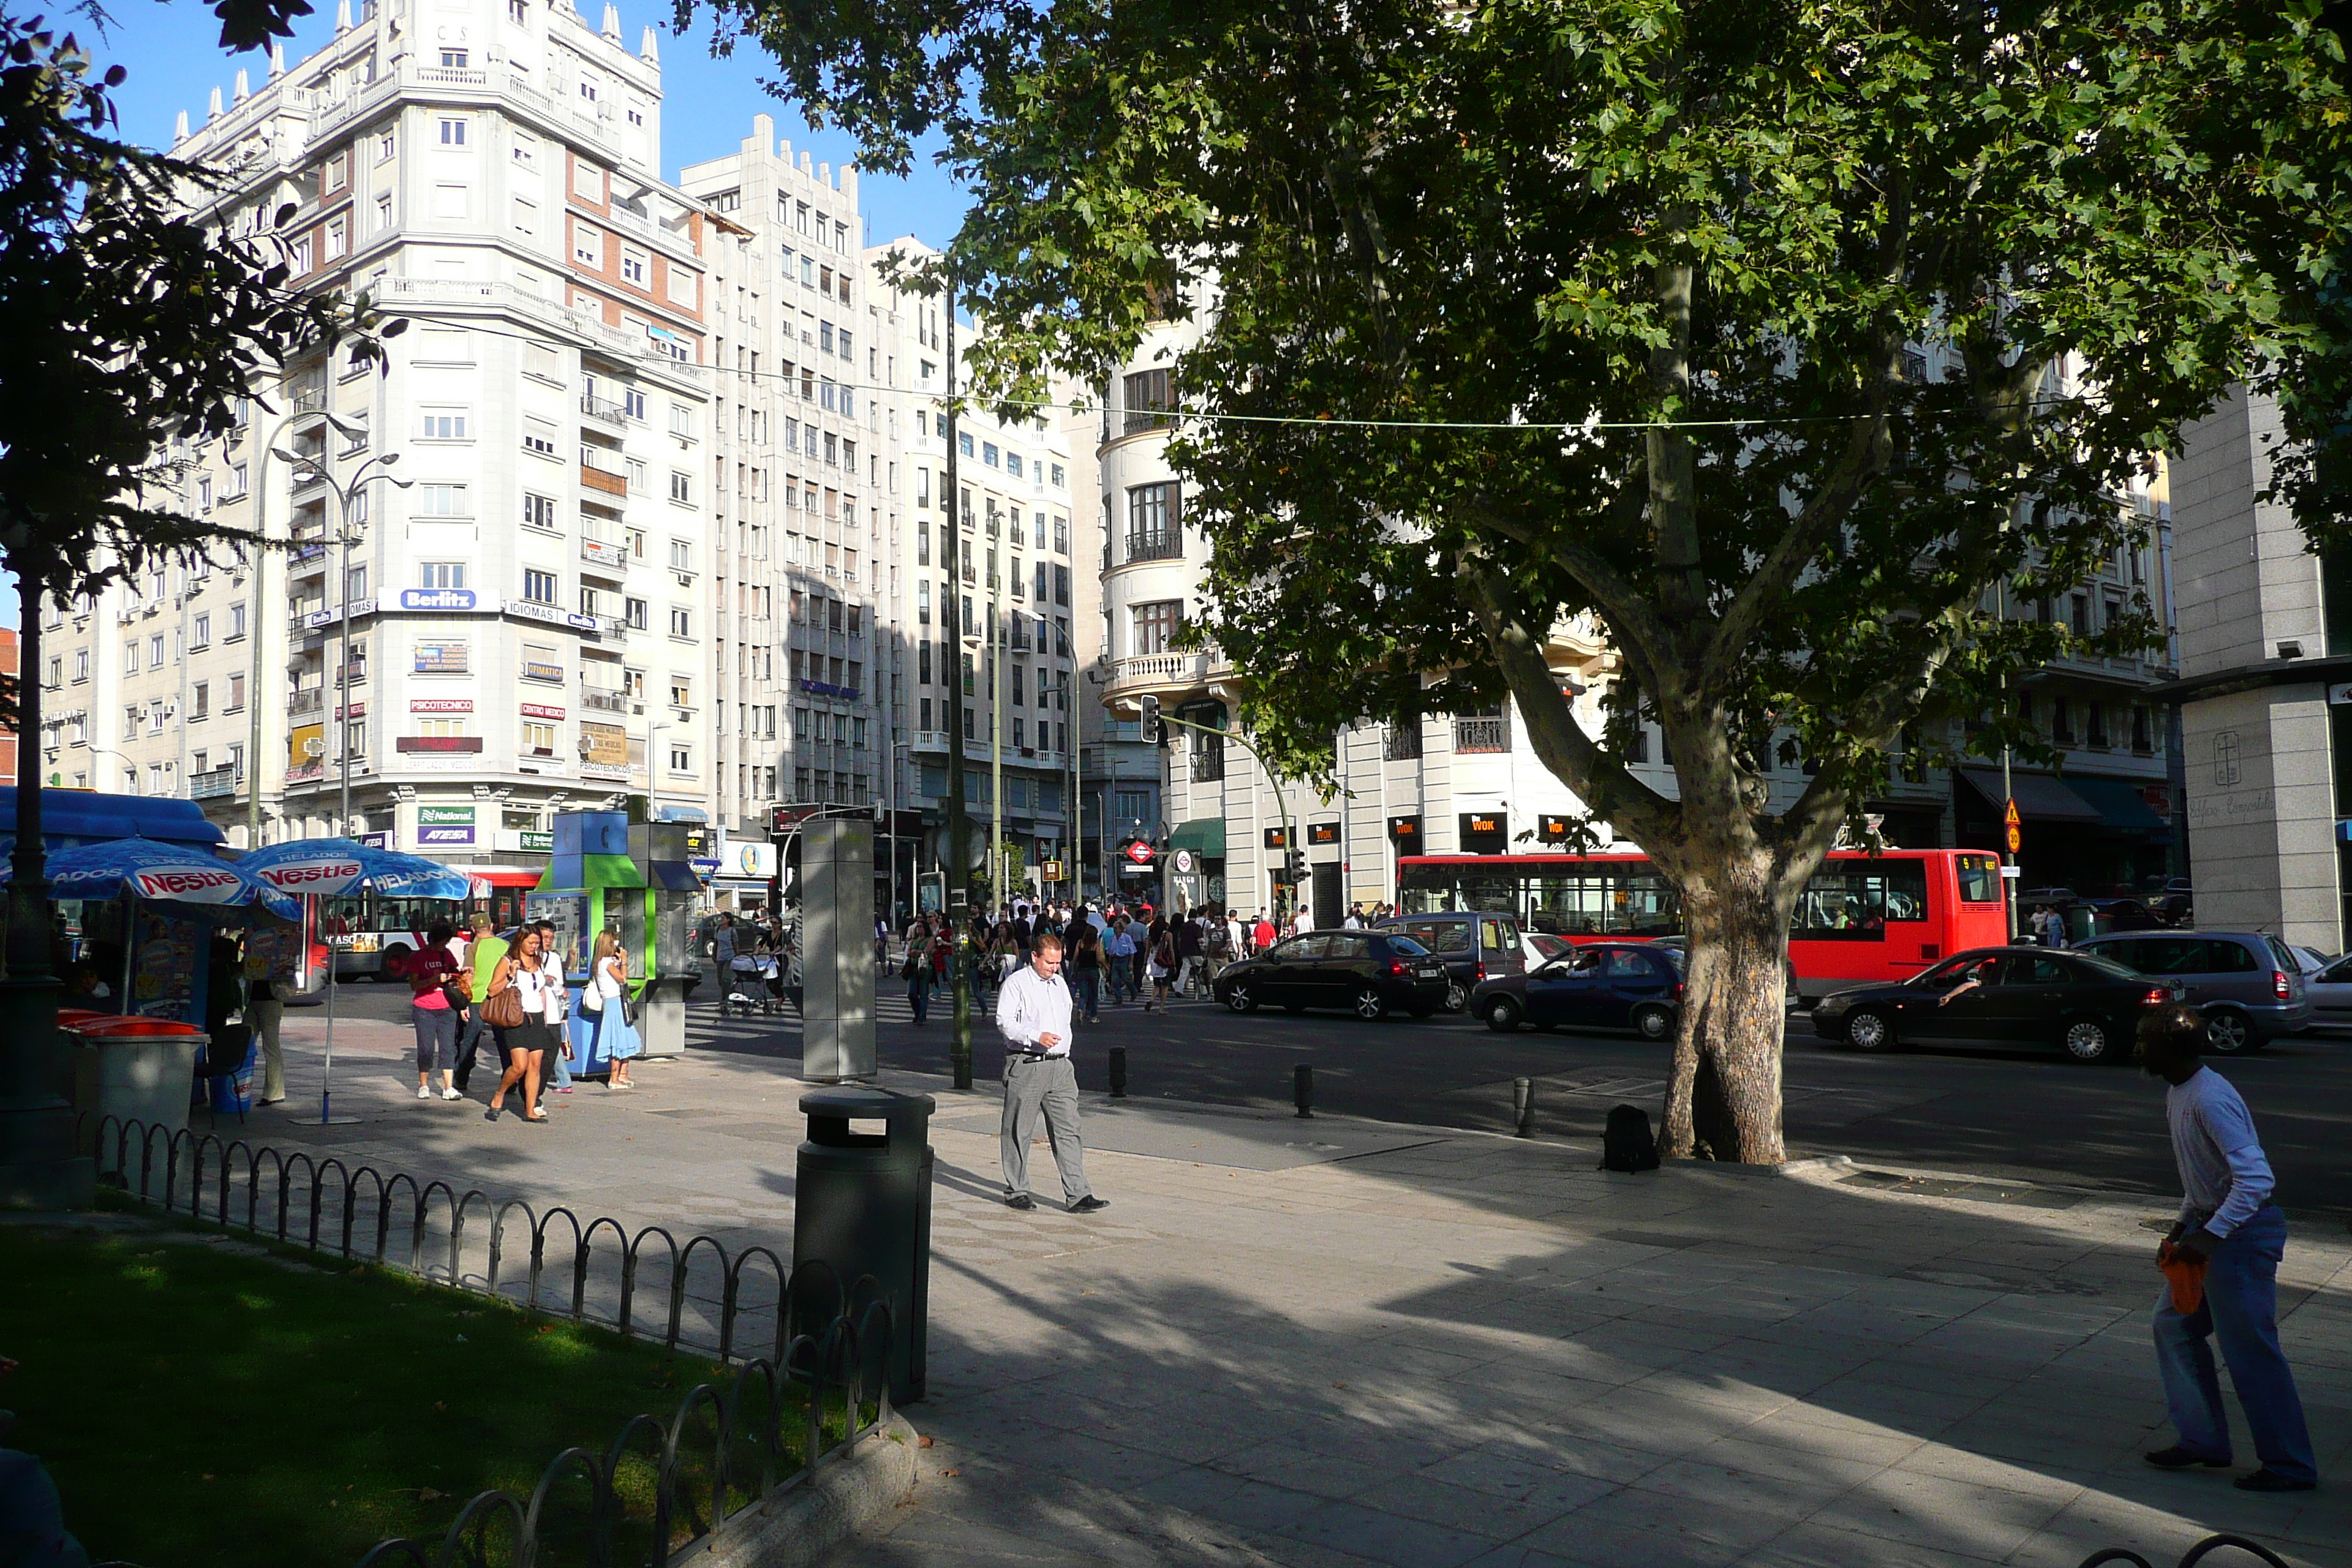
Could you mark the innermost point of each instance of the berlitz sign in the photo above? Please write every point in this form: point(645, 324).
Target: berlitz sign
point(446, 600)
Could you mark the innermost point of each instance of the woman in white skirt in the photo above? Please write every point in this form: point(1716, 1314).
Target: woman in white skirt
point(604, 1000)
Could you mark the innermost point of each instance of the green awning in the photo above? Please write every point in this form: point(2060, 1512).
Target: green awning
point(593, 871)
point(1204, 836)
point(2119, 803)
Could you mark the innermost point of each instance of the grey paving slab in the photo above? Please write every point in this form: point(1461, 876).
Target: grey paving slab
point(1341, 1343)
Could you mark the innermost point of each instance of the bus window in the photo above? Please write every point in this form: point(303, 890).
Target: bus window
point(1980, 878)
point(1642, 903)
point(1853, 900)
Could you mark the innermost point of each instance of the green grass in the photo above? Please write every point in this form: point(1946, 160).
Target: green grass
point(200, 1405)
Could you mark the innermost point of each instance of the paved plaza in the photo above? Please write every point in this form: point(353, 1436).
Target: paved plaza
point(1338, 1341)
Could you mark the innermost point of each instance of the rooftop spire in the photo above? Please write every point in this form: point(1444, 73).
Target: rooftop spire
point(650, 49)
point(342, 18)
point(612, 28)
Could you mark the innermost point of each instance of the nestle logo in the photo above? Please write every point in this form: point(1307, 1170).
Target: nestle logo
point(172, 884)
point(296, 876)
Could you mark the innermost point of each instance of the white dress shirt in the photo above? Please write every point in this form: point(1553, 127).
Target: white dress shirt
point(1030, 1006)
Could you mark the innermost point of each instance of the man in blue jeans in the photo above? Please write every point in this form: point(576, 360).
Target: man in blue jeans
point(2228, 1224)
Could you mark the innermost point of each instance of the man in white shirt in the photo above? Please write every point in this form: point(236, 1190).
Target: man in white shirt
point(2231, 1225)
point(1033, 1013)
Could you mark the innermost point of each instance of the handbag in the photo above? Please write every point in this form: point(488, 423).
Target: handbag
point(504, 1009)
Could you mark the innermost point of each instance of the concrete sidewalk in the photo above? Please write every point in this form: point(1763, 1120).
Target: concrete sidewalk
point(1336, 1343)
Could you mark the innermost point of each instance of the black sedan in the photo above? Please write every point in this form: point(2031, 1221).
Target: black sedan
point(1610, 986)
point(2086, 1005)
point(1367, 972)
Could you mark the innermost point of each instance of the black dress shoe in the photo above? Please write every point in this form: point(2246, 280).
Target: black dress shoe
point(1021, 1201)
point(2269, 1480)
point(1089, 1204)
point(2179, 1459)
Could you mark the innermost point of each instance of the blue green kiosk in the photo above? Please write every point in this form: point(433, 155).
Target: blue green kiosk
point(637, 881)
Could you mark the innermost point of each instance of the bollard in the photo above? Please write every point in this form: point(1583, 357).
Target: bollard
point(1523, 1107)
point(1302, 1089)
point(1118, 1072)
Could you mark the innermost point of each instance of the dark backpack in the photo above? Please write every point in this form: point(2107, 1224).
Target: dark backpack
point(1625, 1141)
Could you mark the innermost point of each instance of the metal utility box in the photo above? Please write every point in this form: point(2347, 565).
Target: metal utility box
point(838, 950)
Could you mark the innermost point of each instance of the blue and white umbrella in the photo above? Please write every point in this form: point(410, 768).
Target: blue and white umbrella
point(163, 874)
point(346, 866)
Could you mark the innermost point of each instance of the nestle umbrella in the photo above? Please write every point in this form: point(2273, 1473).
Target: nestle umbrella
point(332, 865)
point(163, 874)
point(345, 866)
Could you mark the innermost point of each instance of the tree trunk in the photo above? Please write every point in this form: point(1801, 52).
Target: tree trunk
point(1723, 1101)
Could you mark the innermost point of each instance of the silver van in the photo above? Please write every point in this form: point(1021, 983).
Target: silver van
point(2248, 985)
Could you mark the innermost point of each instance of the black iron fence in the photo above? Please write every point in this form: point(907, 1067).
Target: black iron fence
point(658, 1487)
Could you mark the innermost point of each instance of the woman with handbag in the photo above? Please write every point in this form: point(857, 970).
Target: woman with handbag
point(605, 1000)
point(917, 971)
point(432, 973)
point(517, 1013)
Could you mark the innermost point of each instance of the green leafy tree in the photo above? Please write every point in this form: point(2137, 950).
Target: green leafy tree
point(1523, 311)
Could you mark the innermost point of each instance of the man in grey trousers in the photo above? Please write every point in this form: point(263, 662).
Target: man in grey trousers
point(1033, 1012)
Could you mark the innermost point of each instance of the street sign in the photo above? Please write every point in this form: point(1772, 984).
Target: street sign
point(1053, 870)
point(2016, 839)
point(1138, 852)
point(1183, 862)
point(2011, 820)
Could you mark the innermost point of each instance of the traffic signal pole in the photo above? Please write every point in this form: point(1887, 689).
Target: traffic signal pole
point(1281, 802)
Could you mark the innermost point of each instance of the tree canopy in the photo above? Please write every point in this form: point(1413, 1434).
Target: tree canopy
point(1778, 338)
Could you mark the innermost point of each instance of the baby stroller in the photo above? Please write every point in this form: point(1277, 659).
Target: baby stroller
point(754, 984)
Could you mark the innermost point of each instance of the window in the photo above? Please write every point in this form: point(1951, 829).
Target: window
point(681, 421)
point(538, 512)
point(681, 621)
point(539, 436)
point(1155, 626)
point(338, 239)
point(235, 698)
point(681, 757)
point(1855, 902)
point(538, 738)
point(1059, 482)
point(1154, 522)
point(385, 146)
point(441, 575)
point(382, 214)
point(1149, 397)
point(526, 216)
point(587, 245)
point(236, 622)
point(450, 201)
point(444, 425)
point(453, 60)
point(681, 555)
point(587, 179)
point(526, 149)
point(681, 691)
point(634, 613)
point(200, 701)
point(538, 587)
point(200, 634)
point(635, 267)
point(681, 487)
point(452, 130)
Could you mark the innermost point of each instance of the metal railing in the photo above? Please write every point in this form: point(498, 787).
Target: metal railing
point(1168, 546)
point(1483, 734)
point(723, 1452)
point(610, 412)
point(1403, 744)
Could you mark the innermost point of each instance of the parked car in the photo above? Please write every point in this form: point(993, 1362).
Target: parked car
point(2249, 985)
point(2330, 995)
point(1472, 947)
point(1611, 985)
point(1538, 947)
point(1369, 972)
point(2086, 1004)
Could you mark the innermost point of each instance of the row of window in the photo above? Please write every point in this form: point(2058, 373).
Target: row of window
point(1051, 735)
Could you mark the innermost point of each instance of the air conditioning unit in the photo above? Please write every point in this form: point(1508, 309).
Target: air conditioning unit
point(686, 579)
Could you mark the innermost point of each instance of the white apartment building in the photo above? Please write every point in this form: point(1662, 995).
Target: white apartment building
point(1467, 784)
point(801, 517)
point(530, 607)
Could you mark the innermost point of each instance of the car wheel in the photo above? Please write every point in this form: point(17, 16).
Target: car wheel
point(2228, 1032)
point(1458, 997)
point(1503, 1015)
point(1238, 998)
point(1869, 1030)
point(2086, 1040)
point(1369, 1004)
point(1653, 1022)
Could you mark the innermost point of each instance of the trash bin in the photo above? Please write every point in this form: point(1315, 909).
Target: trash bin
point(861, 1204)
point(137, 1069)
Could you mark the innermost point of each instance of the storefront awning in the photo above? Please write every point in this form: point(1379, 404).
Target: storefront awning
point(2040, 797)
point(2119, 803)
point(71, 816)
point(1204, 836)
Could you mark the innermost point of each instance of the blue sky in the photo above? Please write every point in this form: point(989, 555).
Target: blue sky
point(173, 55)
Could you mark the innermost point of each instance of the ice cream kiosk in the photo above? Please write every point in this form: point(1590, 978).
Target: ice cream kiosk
point(637, 881)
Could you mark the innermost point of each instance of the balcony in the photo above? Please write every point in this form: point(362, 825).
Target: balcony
point(313, 700)
point(1164, 673)
point(215, 784)
point(603, 701)
point(604, 413)
point(612, 484)
point(1169, 546)
point(1403, 744)
point(604, 555)
point(1209, 766)
point(1484, 735)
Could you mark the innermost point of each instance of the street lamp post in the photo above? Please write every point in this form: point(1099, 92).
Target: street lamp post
point(377, 466)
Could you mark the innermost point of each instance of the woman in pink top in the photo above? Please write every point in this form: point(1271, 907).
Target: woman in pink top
point(428, 1008)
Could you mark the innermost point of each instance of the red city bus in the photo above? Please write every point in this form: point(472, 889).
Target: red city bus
point(1863, 918)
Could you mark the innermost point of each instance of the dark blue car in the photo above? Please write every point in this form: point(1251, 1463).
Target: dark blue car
point(1607, 986)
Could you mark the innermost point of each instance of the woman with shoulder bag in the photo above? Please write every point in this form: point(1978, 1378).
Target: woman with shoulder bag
point(430, 973)
point(517, 1011)
point(916, 972)
point(605, 1000)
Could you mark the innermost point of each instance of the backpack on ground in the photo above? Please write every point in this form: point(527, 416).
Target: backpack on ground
point(1626, 1143)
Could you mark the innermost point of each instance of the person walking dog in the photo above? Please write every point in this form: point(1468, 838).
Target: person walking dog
point(1033, 1013)
point(2221, 1263)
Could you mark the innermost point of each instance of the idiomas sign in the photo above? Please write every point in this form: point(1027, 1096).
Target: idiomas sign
point(445, 824)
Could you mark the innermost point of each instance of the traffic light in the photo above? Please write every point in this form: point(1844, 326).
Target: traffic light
point(1150, 710)
point(1294, 867)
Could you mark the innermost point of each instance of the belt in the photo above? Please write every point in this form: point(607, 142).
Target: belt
point(1039, 1056)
